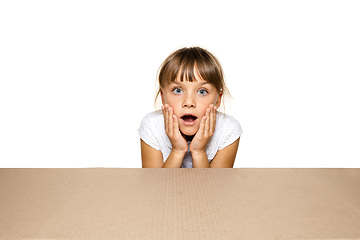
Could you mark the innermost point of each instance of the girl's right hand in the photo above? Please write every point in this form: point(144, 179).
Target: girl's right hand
point(172, 130)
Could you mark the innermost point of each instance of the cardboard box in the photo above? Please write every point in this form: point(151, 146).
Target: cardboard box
point(179, 203)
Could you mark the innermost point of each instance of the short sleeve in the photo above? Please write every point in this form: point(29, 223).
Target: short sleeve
point(227, 131)
point(147, 132)
point(231, 131)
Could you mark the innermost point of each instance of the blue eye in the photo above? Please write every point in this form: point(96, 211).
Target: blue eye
point(203, 92)
point(177, 90)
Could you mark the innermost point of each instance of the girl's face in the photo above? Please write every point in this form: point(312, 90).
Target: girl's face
point(189, 101)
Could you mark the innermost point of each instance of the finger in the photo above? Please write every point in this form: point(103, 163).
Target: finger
point(202, 125)
point(166, 106)
point(208, 120)
point(213, 120)
point(176, 124)
point(170, 119)
point(165, 112)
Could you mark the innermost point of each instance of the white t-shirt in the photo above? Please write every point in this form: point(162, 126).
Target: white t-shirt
point(152, 132)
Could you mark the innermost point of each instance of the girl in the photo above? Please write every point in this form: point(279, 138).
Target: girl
point(189, 131)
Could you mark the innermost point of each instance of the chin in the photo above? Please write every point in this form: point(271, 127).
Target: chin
point(189, 131)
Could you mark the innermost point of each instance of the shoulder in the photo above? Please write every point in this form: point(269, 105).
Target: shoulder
point(227, 131)
point(151, 122)
point(153, 116)
point(150, 130)
point(152, 119)
point(226, 122)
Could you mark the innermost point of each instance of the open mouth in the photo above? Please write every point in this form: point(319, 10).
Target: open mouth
point(188, 118)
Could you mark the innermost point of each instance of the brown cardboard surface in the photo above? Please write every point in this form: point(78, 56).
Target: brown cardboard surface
point(179, 203)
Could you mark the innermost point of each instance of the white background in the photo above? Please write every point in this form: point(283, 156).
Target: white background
point(76, 78)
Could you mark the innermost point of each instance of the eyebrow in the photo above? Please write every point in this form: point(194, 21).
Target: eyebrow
point(201, 83)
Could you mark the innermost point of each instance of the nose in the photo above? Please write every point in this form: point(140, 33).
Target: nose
point(189, 102)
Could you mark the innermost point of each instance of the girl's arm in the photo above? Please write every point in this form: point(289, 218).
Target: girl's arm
point(202, 137)
point(152, 158)
point(225, 157)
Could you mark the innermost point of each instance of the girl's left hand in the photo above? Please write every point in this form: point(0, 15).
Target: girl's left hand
point(205, 132)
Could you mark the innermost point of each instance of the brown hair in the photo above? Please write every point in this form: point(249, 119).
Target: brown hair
point(183, 63)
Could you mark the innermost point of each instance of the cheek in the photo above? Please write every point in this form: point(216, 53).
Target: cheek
point(204, 106)
point(174, 107)
point(169, 100)
point(213, 100)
